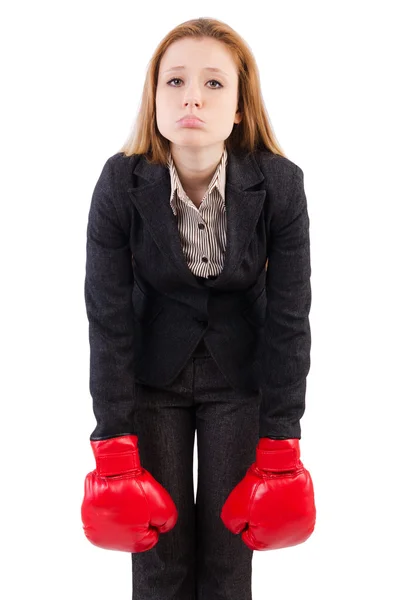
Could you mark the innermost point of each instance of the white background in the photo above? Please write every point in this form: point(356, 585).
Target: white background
point(72, 78)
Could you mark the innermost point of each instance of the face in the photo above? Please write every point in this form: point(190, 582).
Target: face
point(210, 95)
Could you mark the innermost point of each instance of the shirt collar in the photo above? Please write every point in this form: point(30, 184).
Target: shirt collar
point(218, 181)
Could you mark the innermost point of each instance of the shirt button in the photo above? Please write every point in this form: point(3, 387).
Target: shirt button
point(204, 259)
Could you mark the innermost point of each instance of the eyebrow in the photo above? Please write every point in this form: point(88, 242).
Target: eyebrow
point(213, 69)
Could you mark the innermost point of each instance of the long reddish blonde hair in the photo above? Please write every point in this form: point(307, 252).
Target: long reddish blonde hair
point(254, 132)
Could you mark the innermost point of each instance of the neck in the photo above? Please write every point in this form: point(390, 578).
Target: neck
point(196, 167)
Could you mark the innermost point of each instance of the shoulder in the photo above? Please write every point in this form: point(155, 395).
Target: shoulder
point(117, 173)
point(119, 163)
point(120, 159)
point(284, 184)
point(282, 175)
point(114, 180)
point(277, 168)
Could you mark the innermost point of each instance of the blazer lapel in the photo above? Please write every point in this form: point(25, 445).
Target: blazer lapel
point(243, 208)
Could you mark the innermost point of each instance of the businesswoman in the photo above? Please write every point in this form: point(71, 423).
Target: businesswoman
point(198, 295)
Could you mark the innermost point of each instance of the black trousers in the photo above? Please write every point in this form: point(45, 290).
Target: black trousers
point(199, 559)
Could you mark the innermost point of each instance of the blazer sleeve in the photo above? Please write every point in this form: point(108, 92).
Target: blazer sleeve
point(287, 335)
point(108, 287)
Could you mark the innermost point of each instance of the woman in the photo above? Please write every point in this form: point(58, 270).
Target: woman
point(198, 295)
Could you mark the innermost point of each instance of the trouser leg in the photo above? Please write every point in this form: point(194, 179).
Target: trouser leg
point(166, 432)
point(227, 435)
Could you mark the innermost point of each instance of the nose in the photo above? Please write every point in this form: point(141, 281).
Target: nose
point(192, 96)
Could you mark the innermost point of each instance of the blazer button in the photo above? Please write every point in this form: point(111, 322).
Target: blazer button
point(204, 322)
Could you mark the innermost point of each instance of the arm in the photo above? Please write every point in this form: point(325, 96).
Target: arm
point(287, 336)
point(273, 506)
point(108, 288)
point(119, 482)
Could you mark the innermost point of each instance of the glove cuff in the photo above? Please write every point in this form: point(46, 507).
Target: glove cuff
point(278, 455)
point(116, 455)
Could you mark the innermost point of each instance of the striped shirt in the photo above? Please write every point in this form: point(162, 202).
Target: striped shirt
point(202, 230)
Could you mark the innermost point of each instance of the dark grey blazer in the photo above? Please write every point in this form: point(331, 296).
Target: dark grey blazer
point(147, 311)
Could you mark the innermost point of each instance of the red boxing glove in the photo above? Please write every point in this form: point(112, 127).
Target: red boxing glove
point(124, 507)
point(273, 505)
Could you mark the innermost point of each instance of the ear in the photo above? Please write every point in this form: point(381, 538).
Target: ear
point(238, 117)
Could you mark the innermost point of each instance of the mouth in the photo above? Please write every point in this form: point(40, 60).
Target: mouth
point(190, 122)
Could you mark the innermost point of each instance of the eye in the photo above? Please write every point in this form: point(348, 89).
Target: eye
point(211, 81)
